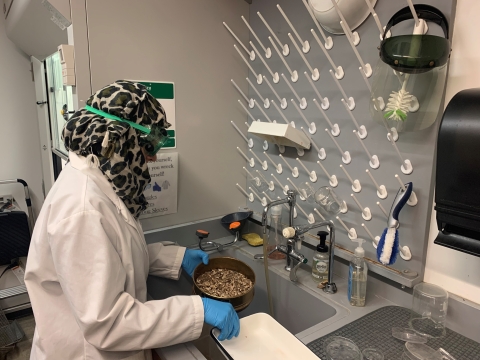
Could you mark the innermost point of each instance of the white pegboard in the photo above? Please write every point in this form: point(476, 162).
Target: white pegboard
point(418, 147)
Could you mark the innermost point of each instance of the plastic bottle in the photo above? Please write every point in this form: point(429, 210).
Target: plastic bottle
point(275, 233)
point(320, 259)
point(357, 276)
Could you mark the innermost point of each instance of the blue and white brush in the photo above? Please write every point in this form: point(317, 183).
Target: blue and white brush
point(388, 247)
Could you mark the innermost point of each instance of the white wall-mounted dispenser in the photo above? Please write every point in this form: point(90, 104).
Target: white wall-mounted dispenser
point(280, 134)
point(67, 59)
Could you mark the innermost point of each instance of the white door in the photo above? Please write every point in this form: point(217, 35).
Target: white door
point(43, 124)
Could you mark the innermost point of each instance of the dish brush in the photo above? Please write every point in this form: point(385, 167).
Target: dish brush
point(398, 104)
point(388, 247)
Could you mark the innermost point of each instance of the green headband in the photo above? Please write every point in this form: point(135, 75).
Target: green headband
point(113, 117)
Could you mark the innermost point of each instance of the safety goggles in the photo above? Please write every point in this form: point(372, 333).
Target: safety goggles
point(414, 54)
point(152, 138)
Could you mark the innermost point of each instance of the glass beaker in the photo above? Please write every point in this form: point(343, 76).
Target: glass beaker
point(328, 200)
point(275, 236)
point(429, 310)
point(257, 183)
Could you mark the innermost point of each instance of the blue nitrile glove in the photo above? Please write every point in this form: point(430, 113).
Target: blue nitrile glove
point(192, 258)
point(223, 316)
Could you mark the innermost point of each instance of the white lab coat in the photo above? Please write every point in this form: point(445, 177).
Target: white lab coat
point(86, 276)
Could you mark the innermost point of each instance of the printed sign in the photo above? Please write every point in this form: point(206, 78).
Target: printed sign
point(164, 92)
point(161, 193)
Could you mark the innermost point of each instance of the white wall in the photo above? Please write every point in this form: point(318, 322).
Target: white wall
point(457, 272)
point(19, 134)
point(186, 43)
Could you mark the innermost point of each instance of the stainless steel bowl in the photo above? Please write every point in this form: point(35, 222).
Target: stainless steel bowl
point(239, 302)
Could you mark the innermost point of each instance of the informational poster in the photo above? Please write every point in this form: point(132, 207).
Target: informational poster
point(161, 193)
point(164, 92)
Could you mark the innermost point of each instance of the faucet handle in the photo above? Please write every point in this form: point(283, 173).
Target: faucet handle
point(288, 232)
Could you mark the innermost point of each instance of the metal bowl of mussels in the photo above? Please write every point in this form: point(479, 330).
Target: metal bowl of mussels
point(225, 279)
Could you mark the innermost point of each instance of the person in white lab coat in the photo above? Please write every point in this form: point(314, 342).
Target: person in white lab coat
point(88, 261)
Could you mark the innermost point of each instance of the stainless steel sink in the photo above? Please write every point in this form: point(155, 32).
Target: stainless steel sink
point(295, 308)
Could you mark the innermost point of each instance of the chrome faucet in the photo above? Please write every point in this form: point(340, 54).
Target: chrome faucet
point(295, 233)
point(289, 249)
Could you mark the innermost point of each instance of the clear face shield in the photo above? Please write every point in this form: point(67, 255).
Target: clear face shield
point(410, 76)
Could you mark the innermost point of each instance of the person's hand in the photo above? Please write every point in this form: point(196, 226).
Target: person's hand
point(223, 316)
point(192, 258)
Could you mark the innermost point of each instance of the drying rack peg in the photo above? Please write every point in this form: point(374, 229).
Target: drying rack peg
point(320, 151)
point(275, 76)
point(249, 141)
point(283, 102)
point(324, 100)
point(406, 167)
point(257, 180)
point(375, 239)
point(250, 53)
point(362, 131)
point(381, 189)
point(344, 207)
point(248, 112)
point(294, 170)
point(328, 40)
point(305, 44)
point(278, 167)
point(268, 52)
point(263, 200)
point(285, 48)
point(352, 234)
point(346, 158)
point(293, 73)
point(312, 129)
point(249, 196)
point(302, 101)
point(315, 72)
point(366, 67)
point(312, 174)
point(353, 35)
point(366, 213)
point(421, 26)
point(310, 217)
point(350, 100)
point(271, 185)
point(250, 102)
point(412, 200)
point(284, 188)
point(383, 209)
point(266, 195)
point(266, 102)
point(374, 162)
point(332, 180)
point(334, 128)
point(291, 123)
point(355, 183)
point(263, 112)
point(263, 163)
point(319, 214)
point(257, 76)
point(339, 73)
point(300, 193)
point(251, 161)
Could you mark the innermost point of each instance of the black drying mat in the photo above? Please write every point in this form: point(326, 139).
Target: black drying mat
point(375, 331)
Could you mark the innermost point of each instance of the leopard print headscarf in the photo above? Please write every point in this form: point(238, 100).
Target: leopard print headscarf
point(114, 143)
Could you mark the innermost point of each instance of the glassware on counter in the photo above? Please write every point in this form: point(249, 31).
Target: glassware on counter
point(340, 348)
point(429, 310)
point(275, 236)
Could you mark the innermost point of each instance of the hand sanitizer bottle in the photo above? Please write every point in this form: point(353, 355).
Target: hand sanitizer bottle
point(357, 276)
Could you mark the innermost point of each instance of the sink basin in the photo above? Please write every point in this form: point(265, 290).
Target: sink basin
point(295, 308)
